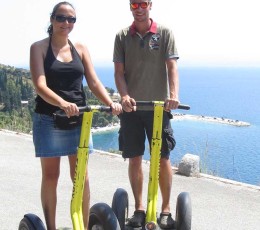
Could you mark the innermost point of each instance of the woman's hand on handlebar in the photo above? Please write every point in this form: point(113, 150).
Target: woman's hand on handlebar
point(171, 103)
point(116, 108)
point(128, 104)
point(71, 109)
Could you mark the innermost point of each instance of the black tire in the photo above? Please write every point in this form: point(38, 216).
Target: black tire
point(120, 206)
point(31, 222)
point(183, 212)
point(102, 217)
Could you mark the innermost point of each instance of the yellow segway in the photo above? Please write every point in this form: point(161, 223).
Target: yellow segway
point(101, 215)
point(120, 199)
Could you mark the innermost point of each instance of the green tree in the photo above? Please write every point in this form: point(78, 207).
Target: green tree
point(16, 85)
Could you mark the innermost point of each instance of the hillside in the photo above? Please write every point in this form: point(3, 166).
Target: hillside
point(17, 104)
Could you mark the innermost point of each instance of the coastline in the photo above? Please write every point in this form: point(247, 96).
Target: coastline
point(179, 117)
point(221, 120)
point(176, 117)
point(106, 128)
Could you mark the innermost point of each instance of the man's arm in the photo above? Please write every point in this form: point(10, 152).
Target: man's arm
point(173, 77)
point(128, 103)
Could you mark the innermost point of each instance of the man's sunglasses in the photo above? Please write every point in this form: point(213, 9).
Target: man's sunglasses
point(135, 5)
point(62, 18)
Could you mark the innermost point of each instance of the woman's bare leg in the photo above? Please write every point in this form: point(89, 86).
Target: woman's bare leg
point(50, 176)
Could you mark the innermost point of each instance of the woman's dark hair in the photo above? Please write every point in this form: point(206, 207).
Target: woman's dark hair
point(55, 8)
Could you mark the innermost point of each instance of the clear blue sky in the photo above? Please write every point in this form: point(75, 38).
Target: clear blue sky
point(207, 32)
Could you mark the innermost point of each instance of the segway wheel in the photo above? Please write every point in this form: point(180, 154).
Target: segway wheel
point(120, 206)
point(31, 222)
point(102, 217)
point(183, 212)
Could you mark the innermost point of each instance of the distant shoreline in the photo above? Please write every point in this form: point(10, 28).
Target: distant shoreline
point(179, 116)
point(176, 117)
point(220, 120)
point(106, 128)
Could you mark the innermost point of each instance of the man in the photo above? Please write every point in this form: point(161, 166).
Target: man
point(145, 60)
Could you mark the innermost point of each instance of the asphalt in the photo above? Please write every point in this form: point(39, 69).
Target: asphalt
point(216, 203)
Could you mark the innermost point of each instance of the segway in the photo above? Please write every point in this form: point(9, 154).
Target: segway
point(120, 199)
point(101, 215)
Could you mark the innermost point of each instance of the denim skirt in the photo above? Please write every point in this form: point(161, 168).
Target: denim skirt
point(50, 141)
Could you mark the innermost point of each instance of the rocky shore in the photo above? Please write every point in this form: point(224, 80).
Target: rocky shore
point(180, 116)
point(222, 120)
point(106, 128)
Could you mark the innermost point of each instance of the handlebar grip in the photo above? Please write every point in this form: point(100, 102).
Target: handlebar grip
point(185, 107)
point(87, 108)
point(151, 103)
point(100, 108)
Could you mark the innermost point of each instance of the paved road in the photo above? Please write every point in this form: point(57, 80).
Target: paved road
point(216, 204)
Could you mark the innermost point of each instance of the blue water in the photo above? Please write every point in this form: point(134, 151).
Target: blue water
point(227, 151)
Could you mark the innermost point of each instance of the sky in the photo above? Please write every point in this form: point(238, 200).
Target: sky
point(207, 32)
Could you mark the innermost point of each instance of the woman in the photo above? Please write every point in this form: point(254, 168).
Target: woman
point(57, 68)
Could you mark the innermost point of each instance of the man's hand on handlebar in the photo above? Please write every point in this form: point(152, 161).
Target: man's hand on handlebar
point(128, 104)
point(171, 103)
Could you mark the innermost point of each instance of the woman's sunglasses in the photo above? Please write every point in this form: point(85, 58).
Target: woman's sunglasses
point(62, 18)
point(135, 5)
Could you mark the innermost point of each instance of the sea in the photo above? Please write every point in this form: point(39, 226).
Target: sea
point(225, 150)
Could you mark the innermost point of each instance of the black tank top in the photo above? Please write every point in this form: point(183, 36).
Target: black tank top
point(64, 78)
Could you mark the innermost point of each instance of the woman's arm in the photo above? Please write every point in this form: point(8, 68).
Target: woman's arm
point(93, 81)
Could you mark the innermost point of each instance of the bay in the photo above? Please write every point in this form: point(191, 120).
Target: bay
point(225, 150)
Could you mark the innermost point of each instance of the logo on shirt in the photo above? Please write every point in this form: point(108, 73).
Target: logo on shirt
point(154, 42)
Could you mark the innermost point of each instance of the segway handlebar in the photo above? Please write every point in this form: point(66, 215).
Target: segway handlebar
point(87, 108)
point(151, 103)
point(100, 108)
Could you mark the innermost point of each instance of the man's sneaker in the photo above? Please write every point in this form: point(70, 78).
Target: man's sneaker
point(138, 219)
point(166, 221)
